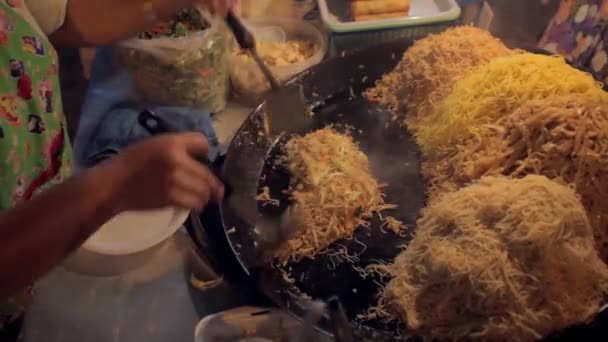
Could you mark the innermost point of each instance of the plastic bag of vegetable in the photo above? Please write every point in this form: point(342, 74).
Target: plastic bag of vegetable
point(181, 62)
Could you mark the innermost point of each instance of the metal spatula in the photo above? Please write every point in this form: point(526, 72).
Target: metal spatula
point(285, 109)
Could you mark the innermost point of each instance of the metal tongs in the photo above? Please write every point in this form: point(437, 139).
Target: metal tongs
point(285, 109)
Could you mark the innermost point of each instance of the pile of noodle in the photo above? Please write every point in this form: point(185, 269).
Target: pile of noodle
point(333, 190)
point(428, 70)
point(503, 259)
point(563, 138)
point(495, 90)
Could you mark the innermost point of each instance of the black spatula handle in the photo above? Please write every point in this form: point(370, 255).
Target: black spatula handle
point(242, 35)
point(153, 124)
point(156, 125)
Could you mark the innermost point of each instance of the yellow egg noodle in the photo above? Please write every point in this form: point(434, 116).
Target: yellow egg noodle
point(495, 90)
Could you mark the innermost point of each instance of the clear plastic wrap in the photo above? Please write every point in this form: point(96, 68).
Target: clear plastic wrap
point(190, 71)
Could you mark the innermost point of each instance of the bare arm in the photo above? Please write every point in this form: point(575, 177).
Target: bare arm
point(102, 22)
point(38, 234)
point(160, 172)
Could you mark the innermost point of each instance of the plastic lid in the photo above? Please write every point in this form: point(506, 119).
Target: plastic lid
point(271, 33)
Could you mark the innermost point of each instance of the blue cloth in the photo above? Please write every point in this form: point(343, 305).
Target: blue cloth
point(120, 128)
point(108, 121)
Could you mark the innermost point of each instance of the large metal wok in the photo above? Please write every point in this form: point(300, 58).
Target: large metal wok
point(224, 235)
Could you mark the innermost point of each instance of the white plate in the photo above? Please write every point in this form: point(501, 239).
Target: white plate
point(136, 231)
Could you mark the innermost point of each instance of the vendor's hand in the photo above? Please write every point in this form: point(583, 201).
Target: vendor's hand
point(219, 7)
point(162, 171)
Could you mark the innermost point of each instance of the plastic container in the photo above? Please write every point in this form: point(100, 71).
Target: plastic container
point(189, 71)
point(203, 325)
point(268, 323)
point(267, 33)
point(259, 9)
point(426, 16)
point(136, 231)
point(249, 84)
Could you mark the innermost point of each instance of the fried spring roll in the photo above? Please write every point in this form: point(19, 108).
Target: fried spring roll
point(369, 17)
point(364, 7)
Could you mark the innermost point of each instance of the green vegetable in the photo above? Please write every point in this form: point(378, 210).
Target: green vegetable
point(193, 74)
point(358, 211)
point(185, 22)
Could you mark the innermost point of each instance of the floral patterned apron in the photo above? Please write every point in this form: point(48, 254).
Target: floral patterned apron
point(34, 146)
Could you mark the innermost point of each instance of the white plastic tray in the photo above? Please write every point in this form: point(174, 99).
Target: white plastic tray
point(335, 15)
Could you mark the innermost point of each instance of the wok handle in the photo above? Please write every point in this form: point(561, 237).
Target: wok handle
point(208, 234)
point(197, 234)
